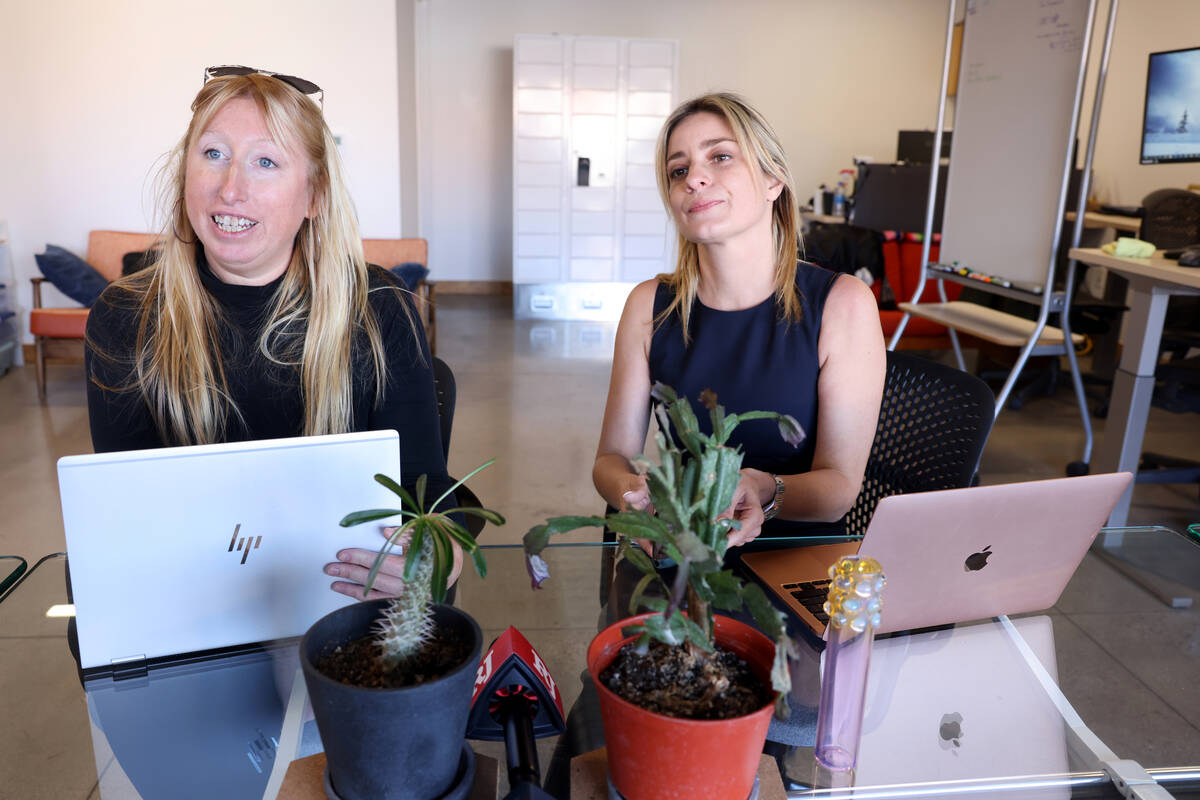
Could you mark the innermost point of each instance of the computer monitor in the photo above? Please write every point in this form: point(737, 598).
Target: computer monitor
point(893, 197)
point(1171, 121)
point(916, 147)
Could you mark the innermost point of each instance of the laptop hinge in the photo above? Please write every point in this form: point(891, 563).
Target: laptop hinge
point(129, 667)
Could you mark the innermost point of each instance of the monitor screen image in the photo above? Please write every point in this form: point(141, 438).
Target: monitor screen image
point(1171, 124)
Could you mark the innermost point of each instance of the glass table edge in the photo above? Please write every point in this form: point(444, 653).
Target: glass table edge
point(955, 787)
point(1176, 778)
point(13, 576)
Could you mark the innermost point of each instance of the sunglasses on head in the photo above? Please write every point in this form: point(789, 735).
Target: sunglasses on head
point(301, 85)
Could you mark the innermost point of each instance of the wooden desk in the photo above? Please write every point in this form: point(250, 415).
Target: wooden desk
point(829, 219)
point(1094, 219)
point(1152, 281)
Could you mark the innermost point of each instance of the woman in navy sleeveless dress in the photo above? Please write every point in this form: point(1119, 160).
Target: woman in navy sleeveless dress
point(741, 317)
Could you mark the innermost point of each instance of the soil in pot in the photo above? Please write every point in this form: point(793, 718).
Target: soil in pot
point(681, 681)
point(357, 663)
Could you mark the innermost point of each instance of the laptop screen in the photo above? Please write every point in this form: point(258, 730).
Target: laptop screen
point(187, 549)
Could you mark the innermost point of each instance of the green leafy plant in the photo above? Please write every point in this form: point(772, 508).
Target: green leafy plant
point(690, 494)
point(406, 624)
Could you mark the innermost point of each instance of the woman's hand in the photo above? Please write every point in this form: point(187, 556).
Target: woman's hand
point(354, 564)
point(637, 496)
point(747, 505)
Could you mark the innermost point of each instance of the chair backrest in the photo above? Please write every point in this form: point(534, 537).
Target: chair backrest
point(447, 393)
point(107, 248)
point(388, 253)
point(933, 423)
point(1171, 218)
point(443, 384)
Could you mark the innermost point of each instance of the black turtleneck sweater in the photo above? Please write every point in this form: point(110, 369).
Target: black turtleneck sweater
point(266, 394)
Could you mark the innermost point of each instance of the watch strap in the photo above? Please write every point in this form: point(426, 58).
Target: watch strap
point(772, 508)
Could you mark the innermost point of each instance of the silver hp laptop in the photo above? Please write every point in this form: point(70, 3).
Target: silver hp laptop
point(190, 549)
point(959, 554)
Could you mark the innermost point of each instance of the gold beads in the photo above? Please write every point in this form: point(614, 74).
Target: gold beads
point(854, 594)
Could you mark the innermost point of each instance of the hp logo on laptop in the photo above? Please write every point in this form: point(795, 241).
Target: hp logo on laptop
point(244, 544)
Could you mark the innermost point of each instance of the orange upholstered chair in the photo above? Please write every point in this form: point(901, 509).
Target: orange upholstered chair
point(902, 263)
point(388, 253)
point(58, 332)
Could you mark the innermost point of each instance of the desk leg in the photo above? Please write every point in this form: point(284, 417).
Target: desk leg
point(1133, 387)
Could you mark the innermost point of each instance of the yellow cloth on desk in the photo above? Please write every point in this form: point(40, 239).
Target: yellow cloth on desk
point(1128, 247)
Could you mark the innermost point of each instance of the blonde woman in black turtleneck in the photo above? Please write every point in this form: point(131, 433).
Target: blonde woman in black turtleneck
point(260, 317)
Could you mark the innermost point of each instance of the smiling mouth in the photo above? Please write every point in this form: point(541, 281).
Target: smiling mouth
point(233, 224)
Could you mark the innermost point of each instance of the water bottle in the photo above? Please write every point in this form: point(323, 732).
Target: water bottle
point(839, 200)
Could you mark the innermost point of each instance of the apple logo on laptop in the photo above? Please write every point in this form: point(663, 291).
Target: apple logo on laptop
point(977, 561)
point(950, 731)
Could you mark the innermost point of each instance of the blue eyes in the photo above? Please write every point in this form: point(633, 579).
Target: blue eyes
point(213, 154)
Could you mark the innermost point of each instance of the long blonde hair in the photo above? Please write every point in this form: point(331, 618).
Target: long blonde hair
point(317, 311)
point(759, 142)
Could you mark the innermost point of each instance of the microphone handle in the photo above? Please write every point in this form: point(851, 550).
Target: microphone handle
point(520, 745)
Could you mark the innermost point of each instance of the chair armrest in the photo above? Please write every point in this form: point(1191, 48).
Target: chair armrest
point(37, 291)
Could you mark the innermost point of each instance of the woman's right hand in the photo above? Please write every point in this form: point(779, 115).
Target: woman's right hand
point(627, 410)
point(637, 496)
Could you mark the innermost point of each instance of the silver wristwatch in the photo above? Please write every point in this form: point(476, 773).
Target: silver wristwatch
point(772, 508)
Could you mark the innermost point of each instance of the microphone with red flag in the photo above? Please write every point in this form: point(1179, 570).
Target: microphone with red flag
point(516, 700)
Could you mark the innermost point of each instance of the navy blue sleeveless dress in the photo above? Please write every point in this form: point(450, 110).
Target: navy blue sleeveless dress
point(754, 361)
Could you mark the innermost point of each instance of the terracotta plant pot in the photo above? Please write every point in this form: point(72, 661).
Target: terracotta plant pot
point(392, 744)
point(655, 757)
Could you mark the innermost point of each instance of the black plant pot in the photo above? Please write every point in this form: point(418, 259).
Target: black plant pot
point(391, 744)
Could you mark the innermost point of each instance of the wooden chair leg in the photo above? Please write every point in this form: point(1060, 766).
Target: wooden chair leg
point(429, 292)
point(41, 367)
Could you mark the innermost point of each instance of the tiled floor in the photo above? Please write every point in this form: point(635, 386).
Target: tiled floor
point(532, 395)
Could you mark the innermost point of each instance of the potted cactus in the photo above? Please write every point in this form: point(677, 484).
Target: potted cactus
point(652, 752)
point(390, 680)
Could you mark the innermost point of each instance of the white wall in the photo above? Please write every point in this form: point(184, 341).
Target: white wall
point(837, 78)
point(93, 93)
point(1143, 27)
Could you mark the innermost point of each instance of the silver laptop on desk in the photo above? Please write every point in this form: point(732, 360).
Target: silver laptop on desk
point(957, 554)
point(190, 549)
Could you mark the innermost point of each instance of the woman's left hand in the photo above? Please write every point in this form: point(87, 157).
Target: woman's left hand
point(354, 564)
point(747, 508)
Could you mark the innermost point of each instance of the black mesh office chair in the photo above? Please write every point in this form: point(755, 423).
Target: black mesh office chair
point(1171, 218)
point(447, 393)
point(933, 423)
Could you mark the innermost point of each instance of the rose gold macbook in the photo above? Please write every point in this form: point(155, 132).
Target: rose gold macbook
point(959, 554)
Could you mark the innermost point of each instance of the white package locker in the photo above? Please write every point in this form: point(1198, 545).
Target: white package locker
point(587, 220)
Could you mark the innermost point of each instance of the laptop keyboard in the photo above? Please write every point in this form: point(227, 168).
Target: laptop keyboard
point(811, 595)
